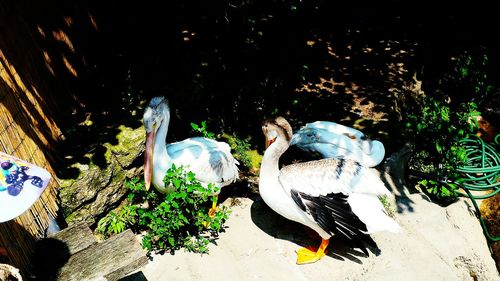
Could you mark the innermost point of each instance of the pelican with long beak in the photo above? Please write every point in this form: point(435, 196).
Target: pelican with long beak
point(211, 161)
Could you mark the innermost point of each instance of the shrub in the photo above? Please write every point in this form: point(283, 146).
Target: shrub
point(241, 149)
point(438, 121)
point(170, 221)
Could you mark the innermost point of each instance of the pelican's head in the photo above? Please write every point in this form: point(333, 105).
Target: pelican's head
point(156, 113)
point(306, 136)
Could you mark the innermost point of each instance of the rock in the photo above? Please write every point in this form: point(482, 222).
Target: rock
point(130, 146)
point(97, 190)
point(436, 243)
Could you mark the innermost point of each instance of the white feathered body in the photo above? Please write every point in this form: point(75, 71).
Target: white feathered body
point(211, 161)
point(324, 177)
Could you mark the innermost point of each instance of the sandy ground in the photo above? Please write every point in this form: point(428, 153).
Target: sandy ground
point(436, 244)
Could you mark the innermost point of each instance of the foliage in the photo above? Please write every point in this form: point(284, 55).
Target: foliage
point(470, 75)
point(443, 127)
point(438, 131)
point(438, 190)
point(202, 129)
point(114, 223)
point(171, 221)
point(255, 159)
point(440, 121)
point(241, 149)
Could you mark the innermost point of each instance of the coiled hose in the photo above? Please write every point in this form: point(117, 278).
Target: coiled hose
point(482, 170)
point(481, 173)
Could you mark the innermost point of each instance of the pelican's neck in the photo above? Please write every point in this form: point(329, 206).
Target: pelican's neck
point(269, 169)
point(161, 160)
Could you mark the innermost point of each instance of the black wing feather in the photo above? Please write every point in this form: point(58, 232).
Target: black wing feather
point(298, 201)
point(333, 213)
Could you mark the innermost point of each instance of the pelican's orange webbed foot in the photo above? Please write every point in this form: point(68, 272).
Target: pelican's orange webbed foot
point(310, 254)
point(211, 212)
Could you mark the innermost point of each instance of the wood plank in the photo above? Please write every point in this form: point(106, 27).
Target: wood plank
point(76, 237)
point(111, 260)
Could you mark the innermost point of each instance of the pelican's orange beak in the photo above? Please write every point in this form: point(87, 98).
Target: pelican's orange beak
point(148, 159)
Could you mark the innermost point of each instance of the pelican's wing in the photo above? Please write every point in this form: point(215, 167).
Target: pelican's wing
point(340, 196)
point(322, 190)
point(326, 176)
point(377, 153)
point(333, 140)
point(207, 143)
point(314, 139)
point(335, 128)
point(211, 161)
point(333, 213)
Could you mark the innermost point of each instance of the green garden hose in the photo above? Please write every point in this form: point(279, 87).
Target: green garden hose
point(481, 173)
point(483, 224)
point(482, 170)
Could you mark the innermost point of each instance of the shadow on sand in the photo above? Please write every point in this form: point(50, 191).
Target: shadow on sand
point(281, 228)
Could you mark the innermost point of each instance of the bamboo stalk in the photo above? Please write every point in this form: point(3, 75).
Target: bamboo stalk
point(16, 138)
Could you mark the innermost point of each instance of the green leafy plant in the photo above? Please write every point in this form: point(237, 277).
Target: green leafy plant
point(438, 189)
point(241, 149)
point(438, 130)
point(202, 129)
point(175, 220)
point(446, 115)
point(438, 122)
point(470, 74)
point(114, 223)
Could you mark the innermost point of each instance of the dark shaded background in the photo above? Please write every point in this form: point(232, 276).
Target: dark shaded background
point(235, 63)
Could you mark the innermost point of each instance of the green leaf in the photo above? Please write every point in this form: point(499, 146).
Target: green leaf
point(439, 149)
point(171, 241)
point(177, 183)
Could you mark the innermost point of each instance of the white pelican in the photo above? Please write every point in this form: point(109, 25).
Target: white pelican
point(211, 161)
point(330, 196)
point(333, 140)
